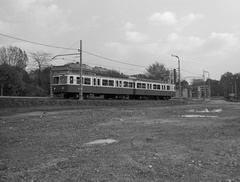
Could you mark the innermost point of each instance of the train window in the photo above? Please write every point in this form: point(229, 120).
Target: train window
point(78, 80)
point(98, 81)
point(63, 79)
point(148, 86)
point(56, 80)
point(143, 85)
point(111, 83)
point(164, 87)
point(168, 87)
point(71, 79)
point(87, 81)
point(117, 83)
point(94, 81)
point(120, 83)
point(125, 84)
point(158, 87)
point(105, 82)
point(131, 84)
point(154, 86)
point(139, 85)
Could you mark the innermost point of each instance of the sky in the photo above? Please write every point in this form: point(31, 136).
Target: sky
point(129, 35)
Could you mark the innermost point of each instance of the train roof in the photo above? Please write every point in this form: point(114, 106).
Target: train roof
point(94, 70)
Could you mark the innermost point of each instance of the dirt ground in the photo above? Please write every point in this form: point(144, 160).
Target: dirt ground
point(194, 141)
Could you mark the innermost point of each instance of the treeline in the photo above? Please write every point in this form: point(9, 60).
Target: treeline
point(16, 81)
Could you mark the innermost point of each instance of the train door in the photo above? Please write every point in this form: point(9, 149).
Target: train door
point(94, 81)
point(96, 86)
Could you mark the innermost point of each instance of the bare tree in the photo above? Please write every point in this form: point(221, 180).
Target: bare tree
point(41, 61)
point(13, 56)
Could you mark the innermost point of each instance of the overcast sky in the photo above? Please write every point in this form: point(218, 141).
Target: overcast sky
point(205, 34)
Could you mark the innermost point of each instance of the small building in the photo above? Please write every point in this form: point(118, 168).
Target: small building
point(194, 92)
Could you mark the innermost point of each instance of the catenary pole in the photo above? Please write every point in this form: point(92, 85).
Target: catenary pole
point(80, 72)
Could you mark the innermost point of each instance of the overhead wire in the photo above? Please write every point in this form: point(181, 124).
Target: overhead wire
point(190, 72)
point(46, 45)
point(89, 53)
point(112, 59)
point(58, 47)
point(69, 47)
point(115, 67)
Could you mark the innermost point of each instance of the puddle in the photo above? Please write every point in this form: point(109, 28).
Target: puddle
point(206, 111)
point(198, 116)
point(102, 141)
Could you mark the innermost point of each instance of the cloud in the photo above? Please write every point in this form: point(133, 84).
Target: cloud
point(167, 17)
point(190, 18)
point(34, 16)
point(135, 36)
point(181, 40)
point(128, 26)
point(216, 42)
point(221, 43)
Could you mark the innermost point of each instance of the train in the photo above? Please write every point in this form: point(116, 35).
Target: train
point(66, 82)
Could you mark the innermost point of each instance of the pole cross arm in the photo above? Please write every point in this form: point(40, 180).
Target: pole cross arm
point(65, 55)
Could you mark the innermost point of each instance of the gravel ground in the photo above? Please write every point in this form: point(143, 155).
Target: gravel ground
point(193, 141)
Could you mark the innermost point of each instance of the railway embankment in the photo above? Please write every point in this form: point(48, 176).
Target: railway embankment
point(44, 103)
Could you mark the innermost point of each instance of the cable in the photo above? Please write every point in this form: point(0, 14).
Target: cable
point(192, 61)
point(114, 67)
point(190, 72)
point(112, 59)
point(36, 42)
point(102, 57)
point(69, 47)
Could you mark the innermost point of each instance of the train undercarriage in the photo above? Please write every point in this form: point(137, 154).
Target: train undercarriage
point(114, 96)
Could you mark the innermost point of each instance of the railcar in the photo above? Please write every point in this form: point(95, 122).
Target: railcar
point(110, 88)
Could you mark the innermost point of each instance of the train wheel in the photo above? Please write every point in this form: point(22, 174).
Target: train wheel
point(66, 96)
point(86, 96)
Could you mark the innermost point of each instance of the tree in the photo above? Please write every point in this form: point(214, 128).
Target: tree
point(41, 61)
point(184, 83)
point(230, 83)
point(46, 80)
point(216, 88)
point(13, 56)
point(157, 71)
point(197, 82)
point(10, 81)
point(141, 76)
point(112, 73)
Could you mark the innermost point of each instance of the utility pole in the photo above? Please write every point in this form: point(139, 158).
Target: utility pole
point(179, 80)
point(80, 72)
point(236, 87)
point(204, 87)
point(51, 82)
point(209, 90)
point(209, 85)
